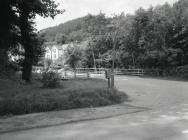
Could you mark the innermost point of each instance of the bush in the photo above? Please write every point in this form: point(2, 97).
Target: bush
point(182, 71)
point(50, 79)
point(9, 69)
point(16, 98)
point(75, 98)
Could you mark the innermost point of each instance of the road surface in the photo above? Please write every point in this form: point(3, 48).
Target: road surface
point(167, 118)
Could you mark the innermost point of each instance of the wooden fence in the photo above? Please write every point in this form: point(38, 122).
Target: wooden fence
point(135, 72)
point(94, 72)
point(91, 70)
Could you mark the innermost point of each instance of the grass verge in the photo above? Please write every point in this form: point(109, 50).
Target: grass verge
point(16, 98)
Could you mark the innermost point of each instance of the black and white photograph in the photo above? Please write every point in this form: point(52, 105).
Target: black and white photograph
point(94, 70)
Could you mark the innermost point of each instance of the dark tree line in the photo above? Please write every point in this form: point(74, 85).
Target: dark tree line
point(18, 29)
point(152, 38)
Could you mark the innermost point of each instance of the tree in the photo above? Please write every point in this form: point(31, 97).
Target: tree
point(9, 33)
point(95, 25)
point(47, 63)
point(99, 43)
point(178, 40)
point(74, 55)
point(60, 38)
point(28, 10)
point(156, 37)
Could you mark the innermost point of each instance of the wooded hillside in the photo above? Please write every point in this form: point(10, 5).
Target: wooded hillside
point(151, 38)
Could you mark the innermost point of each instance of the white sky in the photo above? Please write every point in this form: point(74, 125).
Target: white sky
point(79, 8)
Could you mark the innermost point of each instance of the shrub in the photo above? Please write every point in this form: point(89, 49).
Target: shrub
point(182, 71)
point(50, 79)
point(16, 98)
point(75, 98)
point(153, 72)
point(9, 69)
point(94, 97)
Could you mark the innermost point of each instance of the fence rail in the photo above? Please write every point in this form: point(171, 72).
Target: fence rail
point(136, 72)
point(89, 72)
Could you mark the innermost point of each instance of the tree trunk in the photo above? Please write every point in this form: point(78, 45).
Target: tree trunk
point(26, 43)
point(27, 67)
point(3, 59)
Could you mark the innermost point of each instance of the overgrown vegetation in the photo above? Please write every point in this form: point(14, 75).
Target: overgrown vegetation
point(17, 98)
point(50, 79)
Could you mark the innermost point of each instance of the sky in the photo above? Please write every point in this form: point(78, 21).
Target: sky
point(80, 8)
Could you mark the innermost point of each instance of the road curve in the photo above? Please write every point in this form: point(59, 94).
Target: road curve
point(167, 119)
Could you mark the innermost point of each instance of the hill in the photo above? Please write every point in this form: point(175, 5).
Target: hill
point(67, 28)
point(75, 30)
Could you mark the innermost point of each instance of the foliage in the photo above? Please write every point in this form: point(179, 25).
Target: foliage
point(49, 102)
point(9, 33)
point(50, 79)
point(177, 72)
point(60, 38)
point(47, 63)
point(74, 55)
point(69, 29)
point(28, 11)
point(78, 29)
point(10, 69)
point(153, 38)
point(24, 99)
point(182, 71)
point(18, 28)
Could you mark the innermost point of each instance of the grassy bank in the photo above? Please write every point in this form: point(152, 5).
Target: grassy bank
point(17, 98)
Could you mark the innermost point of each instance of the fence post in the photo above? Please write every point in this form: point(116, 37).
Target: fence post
point(88, 74)
point(75, 73)
point(109, 83)
point(112, 80)
point(65, 73)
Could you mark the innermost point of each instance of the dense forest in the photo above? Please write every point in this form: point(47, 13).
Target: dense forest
point(156, 37)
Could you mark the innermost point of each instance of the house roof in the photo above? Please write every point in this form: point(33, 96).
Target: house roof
point(50, 43)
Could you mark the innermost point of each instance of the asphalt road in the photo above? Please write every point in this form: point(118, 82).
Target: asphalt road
point(166, 119)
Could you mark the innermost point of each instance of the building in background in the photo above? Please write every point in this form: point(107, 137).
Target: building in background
point(56, 52)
